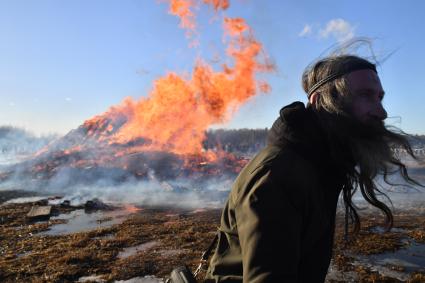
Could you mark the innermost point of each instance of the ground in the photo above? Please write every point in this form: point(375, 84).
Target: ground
point(166, 237)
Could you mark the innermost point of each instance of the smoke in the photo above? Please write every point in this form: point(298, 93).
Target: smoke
point(17, 144)
point(146, 178)
point(113, 186)
point(152, 194)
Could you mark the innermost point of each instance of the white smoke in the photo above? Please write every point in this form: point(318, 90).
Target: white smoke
point(16, 144)
point(115, 186)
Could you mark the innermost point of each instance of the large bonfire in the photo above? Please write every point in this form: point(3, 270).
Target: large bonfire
point(162, 134)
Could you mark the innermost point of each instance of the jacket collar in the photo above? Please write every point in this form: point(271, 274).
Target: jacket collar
point(299, 126)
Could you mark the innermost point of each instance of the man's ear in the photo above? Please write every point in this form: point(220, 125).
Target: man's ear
point(313, 98)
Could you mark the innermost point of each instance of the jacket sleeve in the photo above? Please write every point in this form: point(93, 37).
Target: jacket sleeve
point(269, 229)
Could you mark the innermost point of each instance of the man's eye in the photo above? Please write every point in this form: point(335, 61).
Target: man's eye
point(363, 94)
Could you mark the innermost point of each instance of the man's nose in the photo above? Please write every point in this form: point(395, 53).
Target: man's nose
point(379, 112)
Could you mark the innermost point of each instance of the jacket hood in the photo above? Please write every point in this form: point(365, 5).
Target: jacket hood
point(296, 124)
point(299, 127)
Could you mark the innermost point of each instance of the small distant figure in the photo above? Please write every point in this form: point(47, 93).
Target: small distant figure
point(278, 222)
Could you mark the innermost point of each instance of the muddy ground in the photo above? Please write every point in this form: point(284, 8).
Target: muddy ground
point(165, 239)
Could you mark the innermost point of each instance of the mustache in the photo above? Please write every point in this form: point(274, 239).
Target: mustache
point(368, 144)
point(372, 145)
point(373, 130)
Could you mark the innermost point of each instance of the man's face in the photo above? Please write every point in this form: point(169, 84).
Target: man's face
point(366, 101)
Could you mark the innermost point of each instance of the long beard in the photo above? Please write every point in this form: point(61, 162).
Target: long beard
point(372, 147)
point(369, 146)
point(362, 151)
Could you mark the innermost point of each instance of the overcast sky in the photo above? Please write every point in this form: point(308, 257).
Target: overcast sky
point(62, 62)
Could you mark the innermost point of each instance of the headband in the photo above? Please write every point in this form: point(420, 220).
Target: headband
point(351, 68)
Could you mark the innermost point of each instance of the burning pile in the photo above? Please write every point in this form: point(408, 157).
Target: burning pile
point(161, 135)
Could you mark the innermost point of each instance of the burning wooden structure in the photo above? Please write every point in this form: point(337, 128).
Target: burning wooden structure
point(161, 135)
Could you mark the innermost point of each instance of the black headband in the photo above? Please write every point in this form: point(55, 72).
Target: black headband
point(349, 69)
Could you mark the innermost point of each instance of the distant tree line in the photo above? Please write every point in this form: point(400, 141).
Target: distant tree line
point(15, 140)
point(252, 140)
point(236, 140)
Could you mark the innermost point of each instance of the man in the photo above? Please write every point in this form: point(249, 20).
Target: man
point(278, 223)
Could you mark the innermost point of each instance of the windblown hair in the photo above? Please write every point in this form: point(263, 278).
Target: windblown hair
point(362, 151)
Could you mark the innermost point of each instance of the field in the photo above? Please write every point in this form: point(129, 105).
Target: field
point(144, 244)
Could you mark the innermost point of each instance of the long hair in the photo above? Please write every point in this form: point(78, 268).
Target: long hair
point(362, 151)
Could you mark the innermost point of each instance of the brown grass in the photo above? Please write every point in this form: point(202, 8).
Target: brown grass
point(181, 236)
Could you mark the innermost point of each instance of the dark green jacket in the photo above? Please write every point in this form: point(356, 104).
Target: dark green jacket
point(278, 222)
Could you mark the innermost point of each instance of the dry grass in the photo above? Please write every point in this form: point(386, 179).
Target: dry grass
point(181, 236)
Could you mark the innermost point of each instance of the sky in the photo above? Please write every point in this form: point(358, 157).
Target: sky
point(63, 62)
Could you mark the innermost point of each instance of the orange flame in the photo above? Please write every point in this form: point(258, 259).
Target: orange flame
point(182, 9)
point(178, 110)
point(218, 4)
point(131, 208)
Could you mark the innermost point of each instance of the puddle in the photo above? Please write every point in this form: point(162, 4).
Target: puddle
point(381, 230)
point(199, 210)
point(146, 279)
point(98, 279)
point(25, 200)
point(105, 237)
point(130, 251)
point(410, 258)
point(91, 279)
point(172, 215)
point(336, 275)
point(170, 252)
point(79, 221)
point(384, 270)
